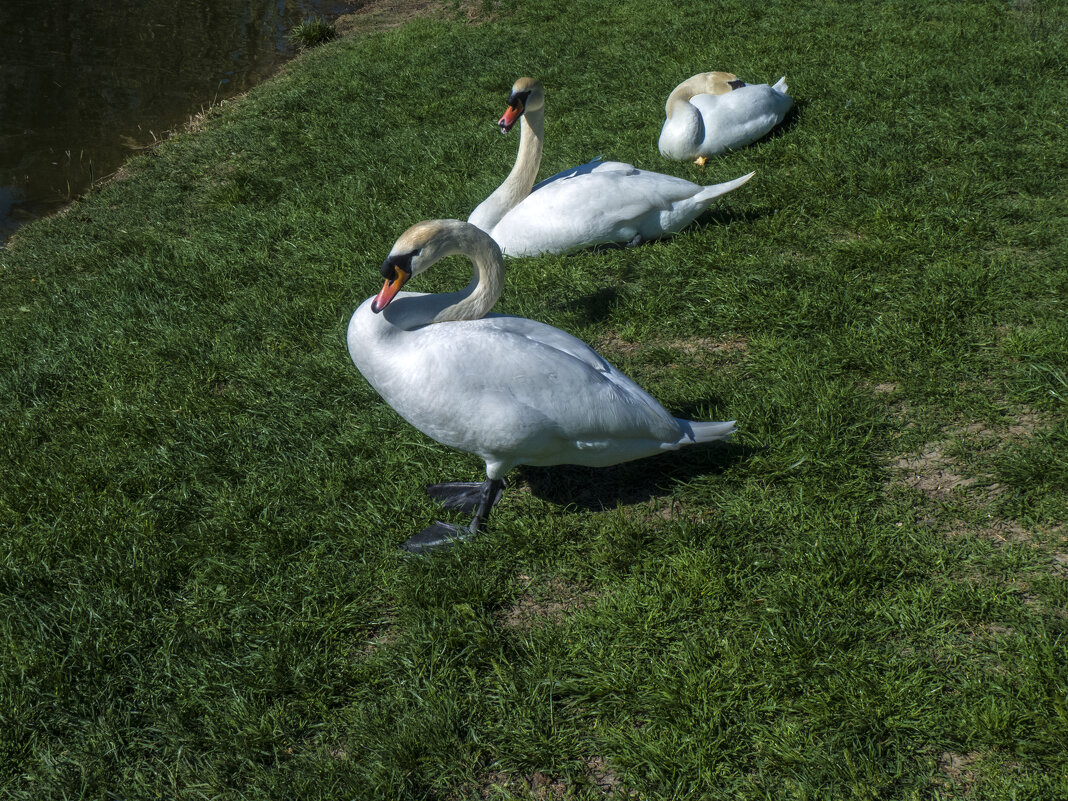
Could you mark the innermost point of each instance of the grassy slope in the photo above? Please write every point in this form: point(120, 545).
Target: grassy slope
point(200, 590)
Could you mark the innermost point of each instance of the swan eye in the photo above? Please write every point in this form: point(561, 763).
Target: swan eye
point(402, 262)
point(518, 100)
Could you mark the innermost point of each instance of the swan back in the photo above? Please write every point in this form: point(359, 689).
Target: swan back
point(601, 207)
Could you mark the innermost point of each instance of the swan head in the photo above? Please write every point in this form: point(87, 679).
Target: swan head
point(527, 95)
point(422, 246)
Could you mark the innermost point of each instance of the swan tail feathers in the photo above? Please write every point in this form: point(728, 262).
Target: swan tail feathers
point(780, 85)
point(696, 432)
point(709, 193)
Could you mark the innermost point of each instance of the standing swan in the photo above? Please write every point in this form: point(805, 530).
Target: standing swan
point(509, 390)
point(597, 203)
point(714, 111)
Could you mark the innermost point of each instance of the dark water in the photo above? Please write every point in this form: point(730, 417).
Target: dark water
point(85, 83)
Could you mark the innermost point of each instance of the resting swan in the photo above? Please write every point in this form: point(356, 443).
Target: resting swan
point(714, 111)
point(597, 203)
point(510, 390)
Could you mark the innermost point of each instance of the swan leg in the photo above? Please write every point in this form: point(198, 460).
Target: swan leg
point(637, 240)
point(441, 534)
point(462, 495)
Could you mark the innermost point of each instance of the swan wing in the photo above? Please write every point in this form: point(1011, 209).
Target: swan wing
point(557, 371)
point(519, 392)
point(740, 117)
point(591, 166)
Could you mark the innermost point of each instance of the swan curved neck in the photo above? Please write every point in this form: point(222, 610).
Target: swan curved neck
point(521, 179)
point(480, 295)
point(679, 98)
point(706, 83)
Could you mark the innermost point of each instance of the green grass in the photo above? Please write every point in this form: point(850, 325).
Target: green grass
point(201, 593)
point(311, 33)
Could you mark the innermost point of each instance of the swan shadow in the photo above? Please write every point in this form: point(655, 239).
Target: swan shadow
point(792, 118)
point(594, 307)
point(600, 488)
point(718, 217)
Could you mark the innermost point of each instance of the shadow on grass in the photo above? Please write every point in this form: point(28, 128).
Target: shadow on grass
point(788, 123)
point(595, 307)
point(597, 488)
point(719, 217)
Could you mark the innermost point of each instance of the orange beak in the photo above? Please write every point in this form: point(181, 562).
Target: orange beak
point(511, 116)
point(389, 291)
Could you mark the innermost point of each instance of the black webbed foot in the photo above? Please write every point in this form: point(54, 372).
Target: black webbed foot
point(463, 495)
point(441, 534)
point(436, 536)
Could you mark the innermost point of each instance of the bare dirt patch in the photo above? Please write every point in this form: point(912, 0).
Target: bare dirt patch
point(542, 786)
point(957, 769)
point(699, 345)
point(537, 785)
point(998, 531)
point(932, 472)
point(657, 510)
point(936, 473)
point(961, 468)
point(1039, 606)
point(1060, 564)
point(551, 602)
point(381, 15)
point(1023, 425)
point(601, 774)
point(382, 635)
point(672, 510)
point(1050, 544)
point(614, 344)
point(844, 235)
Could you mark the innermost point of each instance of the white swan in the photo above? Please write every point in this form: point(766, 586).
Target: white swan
point(510, 390)
point(597, 203)
point(714, 111)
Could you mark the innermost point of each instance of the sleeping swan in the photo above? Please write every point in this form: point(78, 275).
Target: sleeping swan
point(509, 390)
point(714, 111)
point(596, 203)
